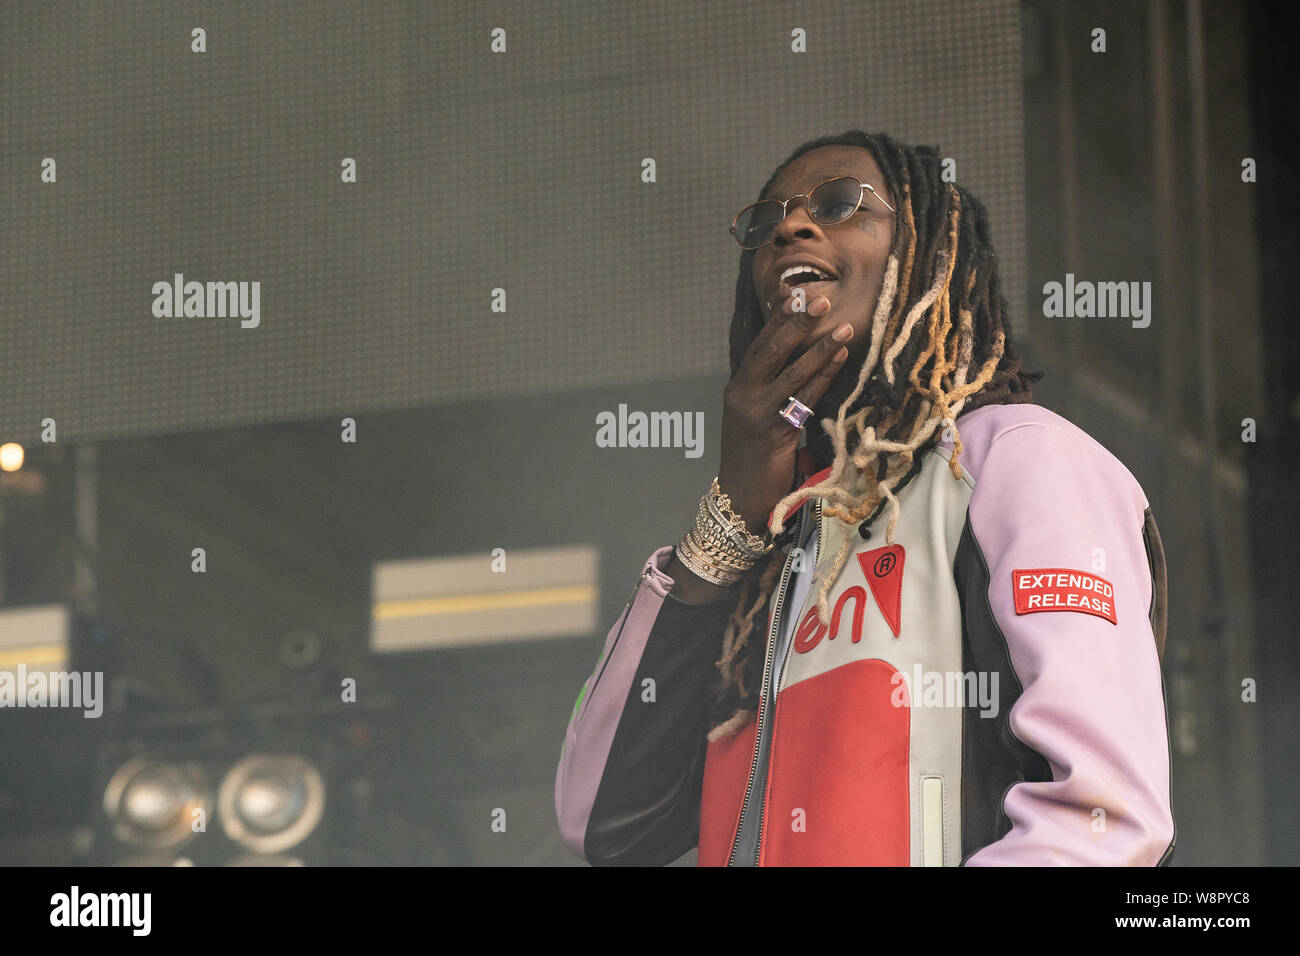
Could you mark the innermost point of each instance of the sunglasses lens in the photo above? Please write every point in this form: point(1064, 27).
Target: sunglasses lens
point(755, 224)
point(834, 201)
point(829, 203)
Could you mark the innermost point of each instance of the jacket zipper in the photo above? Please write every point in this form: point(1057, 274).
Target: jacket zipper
point(780, 676)
point(766, 697)
point(645, 573)
point(606, 655)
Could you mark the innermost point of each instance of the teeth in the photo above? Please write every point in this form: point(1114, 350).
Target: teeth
point(794, 270)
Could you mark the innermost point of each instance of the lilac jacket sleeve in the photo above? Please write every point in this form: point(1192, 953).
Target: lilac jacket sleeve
point(628, 784)
point(1092, 694)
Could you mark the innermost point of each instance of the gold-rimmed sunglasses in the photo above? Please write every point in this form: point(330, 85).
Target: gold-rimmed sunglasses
point(828, 203)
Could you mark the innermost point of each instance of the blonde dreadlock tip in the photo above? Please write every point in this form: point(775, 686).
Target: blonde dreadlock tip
point(737, 720)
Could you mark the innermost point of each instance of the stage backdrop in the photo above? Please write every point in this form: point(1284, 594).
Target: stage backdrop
point(142, 142)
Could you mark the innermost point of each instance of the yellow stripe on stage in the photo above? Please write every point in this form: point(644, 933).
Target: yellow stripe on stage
point(535, 597)
point(43, 655)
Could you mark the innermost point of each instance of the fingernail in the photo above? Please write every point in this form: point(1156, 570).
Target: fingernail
point(842, 333)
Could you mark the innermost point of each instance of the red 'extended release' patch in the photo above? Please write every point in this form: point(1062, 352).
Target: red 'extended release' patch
point(1062, 589)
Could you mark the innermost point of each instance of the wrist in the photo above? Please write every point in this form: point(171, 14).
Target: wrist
point(720, 548)
point(690, 588)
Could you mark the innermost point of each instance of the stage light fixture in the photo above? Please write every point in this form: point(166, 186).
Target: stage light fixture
point(270, 803)
point(152, 803)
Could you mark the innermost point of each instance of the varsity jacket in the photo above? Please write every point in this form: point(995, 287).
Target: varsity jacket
point(988, 690)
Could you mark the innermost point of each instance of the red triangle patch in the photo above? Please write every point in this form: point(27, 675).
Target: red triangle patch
point(883, 569)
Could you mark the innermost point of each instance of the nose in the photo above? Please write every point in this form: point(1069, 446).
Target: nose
point(797, 223)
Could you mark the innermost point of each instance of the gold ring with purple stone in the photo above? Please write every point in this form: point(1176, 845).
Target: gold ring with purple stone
point(796, 413)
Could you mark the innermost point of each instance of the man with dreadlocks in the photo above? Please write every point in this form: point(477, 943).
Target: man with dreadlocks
point(964, 593)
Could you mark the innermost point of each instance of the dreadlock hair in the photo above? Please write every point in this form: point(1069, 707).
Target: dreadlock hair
point(940, 345)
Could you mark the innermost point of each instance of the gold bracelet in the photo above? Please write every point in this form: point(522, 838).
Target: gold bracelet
point(719, 557)
point(715, 541)
point(721, 510)
point(720, 548)
point(701, 568)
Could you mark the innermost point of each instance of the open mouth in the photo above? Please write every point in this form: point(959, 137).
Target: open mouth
point(804, 275)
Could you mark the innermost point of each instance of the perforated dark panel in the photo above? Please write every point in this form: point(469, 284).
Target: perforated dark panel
point(475, 171)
